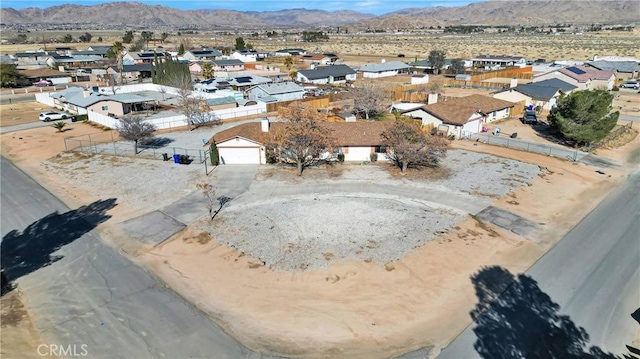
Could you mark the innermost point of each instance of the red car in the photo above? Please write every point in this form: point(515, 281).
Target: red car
point(43, 83)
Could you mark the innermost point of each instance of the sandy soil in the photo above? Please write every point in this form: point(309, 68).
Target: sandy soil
point(19, 338)
point(363, 310)
point(354, 309)
point(21, 112)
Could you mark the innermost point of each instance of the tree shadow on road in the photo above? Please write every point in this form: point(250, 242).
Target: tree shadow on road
point(515, 319)
point(27, 251)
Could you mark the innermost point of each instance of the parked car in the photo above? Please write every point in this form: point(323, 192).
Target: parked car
point(42, 83)
point(631, 85)
point(53, 116)
point(529, 117)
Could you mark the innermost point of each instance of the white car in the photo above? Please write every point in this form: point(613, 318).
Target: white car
point(631, 85)
point(52, 116)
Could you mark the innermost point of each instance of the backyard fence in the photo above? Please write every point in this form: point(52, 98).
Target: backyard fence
point(107, 145)
point(548, 150)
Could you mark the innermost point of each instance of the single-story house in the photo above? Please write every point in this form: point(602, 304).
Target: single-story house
point(227, 65)
point(248, 55)
point(624, 70)
point(412, 110)
point(55, 60)
point(327, 75)
point(143, 57)
point(238, 83)
point(56, 77)
point(291, 52)
point(497, 61)
point(544, 93)
point(132, 72)
point(201, 55)
point(322, 59)
point(244, 144)
point(581, 76)
point(195, 67)
point(384, 69)
point(424, 66)
point(463, 116)
point(78, 100)
point(282, 91)
point(243, 83)
point(98, 51)
point(32, 58)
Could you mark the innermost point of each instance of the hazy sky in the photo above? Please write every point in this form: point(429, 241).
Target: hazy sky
point(366, 6)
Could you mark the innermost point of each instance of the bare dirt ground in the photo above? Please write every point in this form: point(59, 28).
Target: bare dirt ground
point(352, 308)
point(19, 338)
point(421, 300)
point(627, 103)
point(21, 112)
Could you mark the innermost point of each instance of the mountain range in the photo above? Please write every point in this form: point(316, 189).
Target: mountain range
point(133, 14)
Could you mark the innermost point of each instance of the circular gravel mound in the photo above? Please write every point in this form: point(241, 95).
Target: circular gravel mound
point(308, 232)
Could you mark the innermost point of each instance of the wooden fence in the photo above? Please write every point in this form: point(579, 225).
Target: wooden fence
point(317, 102)
point(519, 73)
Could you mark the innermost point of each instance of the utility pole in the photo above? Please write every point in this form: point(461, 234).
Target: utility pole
point(44, 43)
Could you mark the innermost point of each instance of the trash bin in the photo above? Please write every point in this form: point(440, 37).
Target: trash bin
point(165, 157)
point(176, 158)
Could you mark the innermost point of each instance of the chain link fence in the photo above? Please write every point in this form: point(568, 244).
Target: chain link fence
point(128, 149)
point(548, 150)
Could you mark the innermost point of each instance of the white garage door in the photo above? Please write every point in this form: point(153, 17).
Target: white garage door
point(471, 127)
point(237, 156)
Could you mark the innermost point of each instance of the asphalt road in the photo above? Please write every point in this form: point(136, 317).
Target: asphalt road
point(592, 273)
point(93, 295)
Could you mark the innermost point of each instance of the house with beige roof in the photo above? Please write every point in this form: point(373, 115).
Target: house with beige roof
point(583, 77)
point(244, 144)
point(462, 116)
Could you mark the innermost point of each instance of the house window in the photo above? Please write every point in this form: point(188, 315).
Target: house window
point(380, 149)
point(105, 108)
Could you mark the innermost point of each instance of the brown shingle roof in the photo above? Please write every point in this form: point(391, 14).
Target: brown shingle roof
point(361, 133)
point(42, 73)
point(458, 110)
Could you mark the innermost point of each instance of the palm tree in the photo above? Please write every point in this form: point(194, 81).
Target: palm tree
point(207, 70)
point(288, 62)
point(117, 52)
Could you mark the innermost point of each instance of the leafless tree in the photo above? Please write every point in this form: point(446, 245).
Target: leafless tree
point(193, 108)
point(209, 192)
point(304, 138)
point(369, 98)
point(411, 146)
point(135, 129)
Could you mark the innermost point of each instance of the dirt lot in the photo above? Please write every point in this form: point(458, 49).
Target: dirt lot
point(352, 308)
point(354, 305)
point(21, 112)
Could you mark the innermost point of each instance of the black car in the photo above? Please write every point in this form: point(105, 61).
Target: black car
point(529, 118)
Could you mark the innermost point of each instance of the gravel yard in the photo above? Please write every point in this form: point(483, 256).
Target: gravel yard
point(307, 230)
point(310, 232)
point(141, 184)
point(313, 231)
